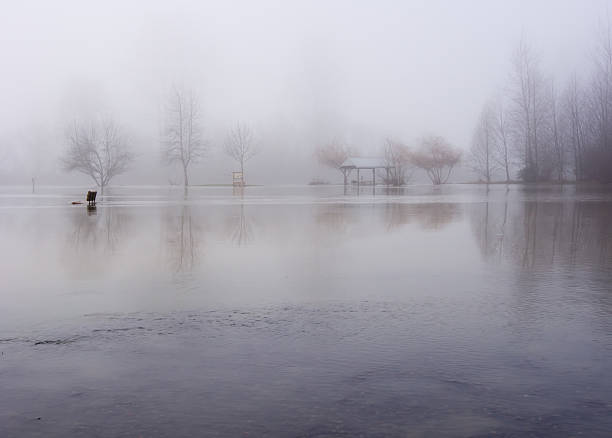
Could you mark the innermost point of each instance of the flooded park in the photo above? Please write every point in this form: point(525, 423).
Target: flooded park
point(306, 219)
point(452, 311)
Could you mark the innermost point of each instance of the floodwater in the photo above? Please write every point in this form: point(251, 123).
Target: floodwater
point(307, 312)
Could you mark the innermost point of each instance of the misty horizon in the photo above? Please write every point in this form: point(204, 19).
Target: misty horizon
point(301, 76)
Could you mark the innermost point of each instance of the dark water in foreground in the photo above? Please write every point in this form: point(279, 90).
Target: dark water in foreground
point(302, 312)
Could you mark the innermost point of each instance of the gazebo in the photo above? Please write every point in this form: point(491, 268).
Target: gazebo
point(361, 163)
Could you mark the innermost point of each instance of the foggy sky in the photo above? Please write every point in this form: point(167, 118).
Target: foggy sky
point(301, 73)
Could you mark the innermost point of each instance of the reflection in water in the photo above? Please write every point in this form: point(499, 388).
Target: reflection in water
point(238, 191)
point(95, 236)
point(182, 239)
point(96, 229)
point(337, 219)
point(490, 309)
point(397, 215)
point(437, 216)
point(432, 216)
point(544, 234)
point(333, 219)
point(489, 228)
point(240, 228)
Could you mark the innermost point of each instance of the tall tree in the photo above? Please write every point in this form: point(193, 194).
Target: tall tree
point(556, 136)
point(183, 141)
point(527, 96)
point(398, 157)
point(551, 133)
point(573, 110)
point(97, 149)
point(502, 134)
point(240, 145)
point(481, 158)
point(599, 157)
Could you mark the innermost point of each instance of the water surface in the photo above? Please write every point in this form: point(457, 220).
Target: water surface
point(307, 311)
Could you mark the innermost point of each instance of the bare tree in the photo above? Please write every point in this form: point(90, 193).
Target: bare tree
point(597, 160)
point(573, 110)
point(97, 149)
point(549, 133)
point(333, 154)
point(240, 228)
point(559, 159)
point(482, 151)
point(183, 142)
point(502, 133)
point(522, 98)
point(527, 94)
point(240, 144)
point(399, 159)
point(437, 157)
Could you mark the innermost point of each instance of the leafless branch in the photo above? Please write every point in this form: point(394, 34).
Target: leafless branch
point(97, 149)
point(183, 141)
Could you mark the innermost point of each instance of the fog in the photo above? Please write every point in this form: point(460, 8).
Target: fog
point(300, 73)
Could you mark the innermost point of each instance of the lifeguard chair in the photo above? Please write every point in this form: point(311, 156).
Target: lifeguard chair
point(237, 179)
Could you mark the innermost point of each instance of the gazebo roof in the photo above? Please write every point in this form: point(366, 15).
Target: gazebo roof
point(364, 163)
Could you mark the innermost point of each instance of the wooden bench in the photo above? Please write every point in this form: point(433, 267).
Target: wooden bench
point(91, 197)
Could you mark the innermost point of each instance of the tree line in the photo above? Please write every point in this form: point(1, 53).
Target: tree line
point(535, 132)
point(99, 148)
point(531, 131)
point(434, 155)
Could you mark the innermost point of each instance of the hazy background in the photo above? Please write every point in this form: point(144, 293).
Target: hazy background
point(301, 73)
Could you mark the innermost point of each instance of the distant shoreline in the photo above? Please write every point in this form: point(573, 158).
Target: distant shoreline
point(221, 185)
point(539, 183)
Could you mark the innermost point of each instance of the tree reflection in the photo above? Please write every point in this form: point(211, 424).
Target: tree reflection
point(397, 215)
point(433, 216)
point(338, 219)
point(98, 229)
point(437, 216)
point(333, 218)
point(536, 234)
point(95, 236)
point(240, 228)
point(182, 239)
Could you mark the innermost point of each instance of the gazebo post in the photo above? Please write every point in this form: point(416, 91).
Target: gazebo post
point(366, 164)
